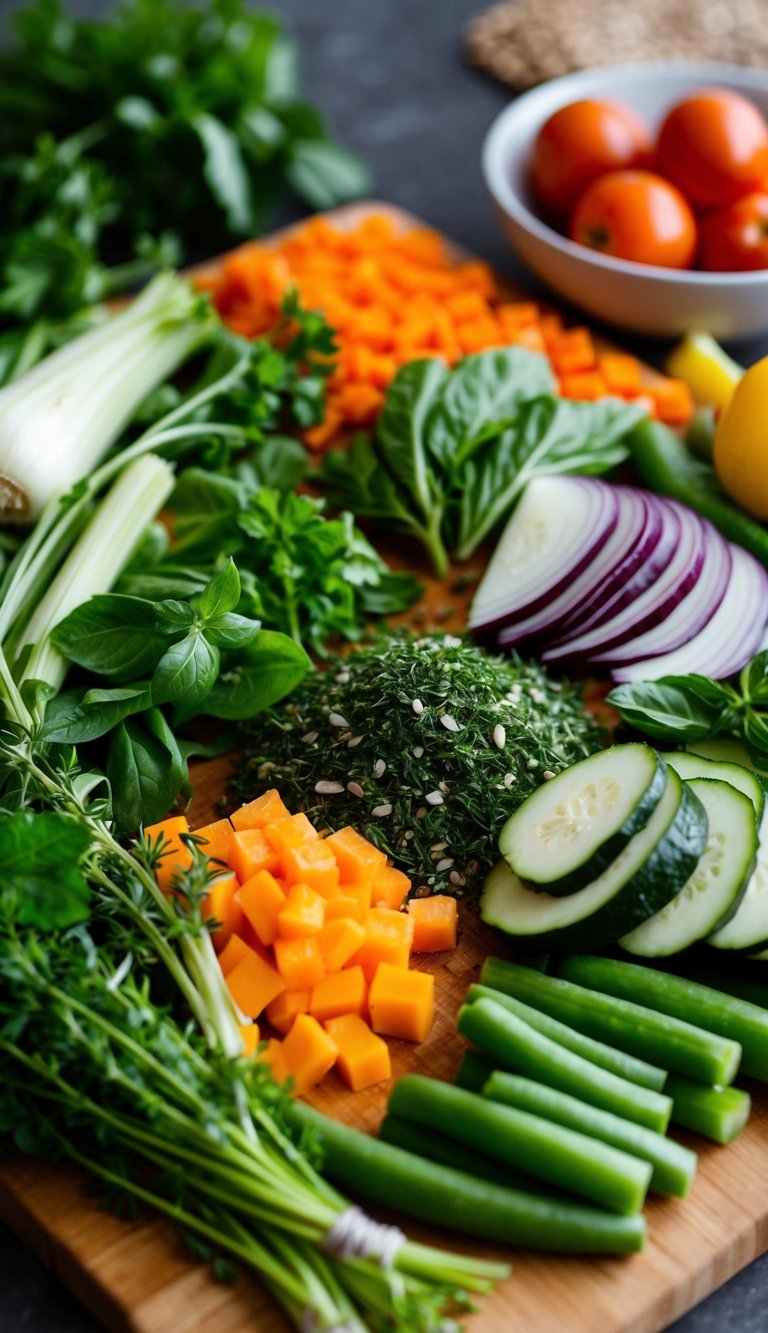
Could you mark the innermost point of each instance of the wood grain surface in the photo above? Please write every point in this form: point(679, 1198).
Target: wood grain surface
point(137, 1277)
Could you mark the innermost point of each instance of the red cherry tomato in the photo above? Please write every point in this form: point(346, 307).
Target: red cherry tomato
point(714, 146)
point(582, 141)
point(636, 215)
point(735, 238)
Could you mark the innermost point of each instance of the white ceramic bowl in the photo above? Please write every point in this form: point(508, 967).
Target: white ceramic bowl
point(641, 297)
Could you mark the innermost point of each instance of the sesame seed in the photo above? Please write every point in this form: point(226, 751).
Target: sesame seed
point(355, 789)
point(508, 779)
point(547, 774)
point(381, 811)
point(499, 736)
point(443, 787)
point(532, 763)
point(456, 878)
point(336, 720)
point(449, 722)
point(355, 741)
point(264, 769)
point(421, 812)
point(417, 751)
point(417, 707)
point(408, 835)
point(309, 737)
point(434, 798)
point(438, 847)
point(325, 788)
point(445, 864)
point(379, 768)
point(342, 678)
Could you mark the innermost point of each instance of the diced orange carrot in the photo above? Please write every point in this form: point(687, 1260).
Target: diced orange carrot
point(217, 837)
point(262, 899)
point(373, 327)
point(313, 864)
point(587, 385)
point(621, 373)
point(317, 437)
point(342, 993)
point(253, 983)
point(357, 858)
point(530, 337)
point(361, 403)
point(175, 856)
point(223, 905)
point(573, 351)
point(466, 305)
point(434, 923)
point(516, 315)
point(249, 852)
point(309, 1052)
point(476, 335)
point(402, 1002)
point(264, 810)
point(339, 940)
point(302, 913)
point(283, 1009)
point(388, 939)
point(390, 888)
point(233, 952)
point(551, 328)
point(673, 399)
point(353, 902)
point(294, 831)
point(363, 1058)
point(299, 962)
point(250, 1035)
point(272, 1055)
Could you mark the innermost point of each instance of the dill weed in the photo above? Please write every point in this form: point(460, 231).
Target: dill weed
point(425, 745)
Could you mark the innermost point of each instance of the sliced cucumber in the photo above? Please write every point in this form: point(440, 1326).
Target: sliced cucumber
point(714, 890)
point(698, 766)
point(748, 927)
point(574, 827)
point(720, 748)
point(652, 868)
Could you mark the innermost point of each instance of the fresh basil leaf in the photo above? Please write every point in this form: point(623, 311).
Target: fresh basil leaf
point(186, 671)
point(401, 431)
point(200, 495)
point(222, 593)
point(756, 737)
point(357, 480)
point(754, 679)
point(232, 631)
point(173, 616)
point(40, 856)
point(278, 462)
point(170, 582)
point(112, 635)
point(482, 394)
point(74, 717)
point(261, 132)
point(269, 669)
point(325, 174)
point(226, 173)
point(145, 769)
point(675, 708)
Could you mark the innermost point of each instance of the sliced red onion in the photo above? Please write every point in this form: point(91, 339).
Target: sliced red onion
point(555, 532)
point(654, 604)
point(691, 614)
point(727, 642)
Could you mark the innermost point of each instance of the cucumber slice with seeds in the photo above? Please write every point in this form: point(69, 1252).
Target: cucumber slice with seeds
point(651, 869)
point(698, 766)
point(714, 890)
point(574, 827)
point(748, 927)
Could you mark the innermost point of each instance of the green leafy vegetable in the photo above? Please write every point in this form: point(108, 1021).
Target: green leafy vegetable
point(455, 449)
point(40, 857)
point(425, 745)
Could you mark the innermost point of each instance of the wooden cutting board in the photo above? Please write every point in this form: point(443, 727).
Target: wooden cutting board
point(137, 1277)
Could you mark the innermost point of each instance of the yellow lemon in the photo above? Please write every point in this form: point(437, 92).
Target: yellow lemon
point(741, 442)
point(709, 372)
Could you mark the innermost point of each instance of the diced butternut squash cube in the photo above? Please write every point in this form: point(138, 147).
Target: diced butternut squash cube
point(402, 1002)
point(223, 904)
point(294, 831)
point(360, 894)
point(344, 905)
point(357, 858)
point(342, 993)
point(390, 888)
point(314, 864)
point(363, 1058)
point(339, 940)
point(250, 1035)
point(262, 899)
point(175, 855)
point(217, 838)
point(434, 923)
point(299, 962)
point(264, 810)
point(388, 939)
point(309, 1053)
point(283, 1010)
point(253, 983)
point(234, 950)
point(302, 913)
point(249, 852)
point(272, 1055)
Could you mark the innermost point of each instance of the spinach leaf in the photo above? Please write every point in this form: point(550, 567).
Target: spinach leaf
point(114, 635)
point(483, 392)
point(77, 716)
point(145, 769)
point(40, 856)
point(401, 430)
point(266, 671)
point(322, 172)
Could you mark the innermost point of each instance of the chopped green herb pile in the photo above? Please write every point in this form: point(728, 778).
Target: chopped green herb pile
point(425, 745)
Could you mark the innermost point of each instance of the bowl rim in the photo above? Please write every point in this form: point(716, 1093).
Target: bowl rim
point(500, 131)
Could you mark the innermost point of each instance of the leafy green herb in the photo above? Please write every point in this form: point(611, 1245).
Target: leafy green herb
point(455, 449)
point(425, 745)
point(40, 857)
point(677, 709)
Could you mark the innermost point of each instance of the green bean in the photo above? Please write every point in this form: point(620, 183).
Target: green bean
point(716, 1113)
point(514, 1045)
point(437, 1147)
